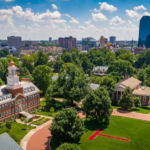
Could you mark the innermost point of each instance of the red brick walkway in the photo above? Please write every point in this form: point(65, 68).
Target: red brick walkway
point(40, 139)
point(126, 114)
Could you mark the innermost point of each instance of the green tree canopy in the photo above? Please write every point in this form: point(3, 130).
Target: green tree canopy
point(109, 83)
point(97, 105)
point(121, 51)
point(127, 99)
point(24, 73)
point(42, 76)
point(28, 62)
point(68, 146)
point(67, 126)
point(1, 82)
point(42, 59)
point(137, 102)
point(4, 69)
point(58, 64)
point(72, 83)
point(122, 66)
point(126, 56)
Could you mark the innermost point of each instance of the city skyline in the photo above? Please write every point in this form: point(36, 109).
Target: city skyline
point(39, 20)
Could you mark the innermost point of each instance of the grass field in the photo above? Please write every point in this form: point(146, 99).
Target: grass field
point(138, 110)
point(135, 130)
point(17, 131)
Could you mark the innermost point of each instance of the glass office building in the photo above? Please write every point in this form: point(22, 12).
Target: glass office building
point(88, 43)
point(144, 32)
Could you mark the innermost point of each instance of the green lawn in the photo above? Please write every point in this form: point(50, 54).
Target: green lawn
point(45, 111)
point(135, 130)
point(138, 110)
point(17, 131)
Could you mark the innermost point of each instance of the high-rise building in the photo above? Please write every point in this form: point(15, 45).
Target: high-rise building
point(144, 32)
point(67, 42)
point(50, 39)
point(14, 41)
point(88, 43)
point(113, 39)
point(103, 42)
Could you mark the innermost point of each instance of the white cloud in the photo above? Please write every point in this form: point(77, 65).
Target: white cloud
point(99, 17)
point(96, 10)
point(67, 15)
point(36, 25)
point(88, 22)
point(106, 7)
point(140, 8)
point(54, 6)
point(9, 0)
point(74, 21)
point(146, 14)
point(116, 21)
point(132, 14)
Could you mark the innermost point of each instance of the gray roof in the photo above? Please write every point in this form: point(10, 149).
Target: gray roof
point(3, 91)
point(54, 77)
point(104, 68)
point(94, 86)
point(7, 143)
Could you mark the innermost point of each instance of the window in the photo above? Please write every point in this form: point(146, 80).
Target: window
point(10, 111)
point(9, 104)
point(6, 113)
point(26, 99)
point(16, 109)
point(19, 101)
point(3, 114)
point(23, 107)
point(31, 103)
point(26, 105)
point(0, 107)
point(37, 95)
point(35, 101)
point(144, 99)
point(12, 104)
point(5, 105)
point(38, 101)
point(16, 102)
point(0, 115)
point(33, 96)
point(23, 100)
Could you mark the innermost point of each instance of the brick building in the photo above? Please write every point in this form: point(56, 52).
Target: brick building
point(137, 90)
point(17, 97)
point(139, 50)
point(67, 42)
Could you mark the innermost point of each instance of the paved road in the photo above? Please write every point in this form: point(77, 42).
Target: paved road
point(40, 139)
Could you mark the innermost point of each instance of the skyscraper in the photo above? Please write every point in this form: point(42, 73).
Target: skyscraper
point(144, 32)
point(113, 39)
point(14, 41)
point(103, 42)
point(67, 42)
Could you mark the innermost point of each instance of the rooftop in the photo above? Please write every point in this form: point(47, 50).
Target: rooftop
point(142, 91)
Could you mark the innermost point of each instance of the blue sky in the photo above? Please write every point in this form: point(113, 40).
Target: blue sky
point(40, 19)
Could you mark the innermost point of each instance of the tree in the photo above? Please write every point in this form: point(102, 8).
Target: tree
point(42, 76)
point(127, 99)
point(126, 56)
point(1, 124)
point(1, 82)
point(24, 73)
point(28, 62)
point(67, 126)
point(58, 64)
point(122, 66)
point(16, 54)
point(2, 54)
point(141, 75)
point(68, 146)
point(42, 59)
point(109, 83)
point(137, 102)
point(4, 69)
point(121, 51)
point(51, 110)
point(97, 105)
point(72, 83)
point(8, 125)
point(5, 51)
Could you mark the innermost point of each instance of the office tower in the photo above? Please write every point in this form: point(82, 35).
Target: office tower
point(103, 42)
point(67, 42)
point(88, 43)
point(14, 41)
point(113, 39)
point(50, 39)
point(144, 32)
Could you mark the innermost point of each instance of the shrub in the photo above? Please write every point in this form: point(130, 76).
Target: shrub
point(52, 110)
point(8, 125)
point(137, 102)
point(22, 118)
point(2, 124)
